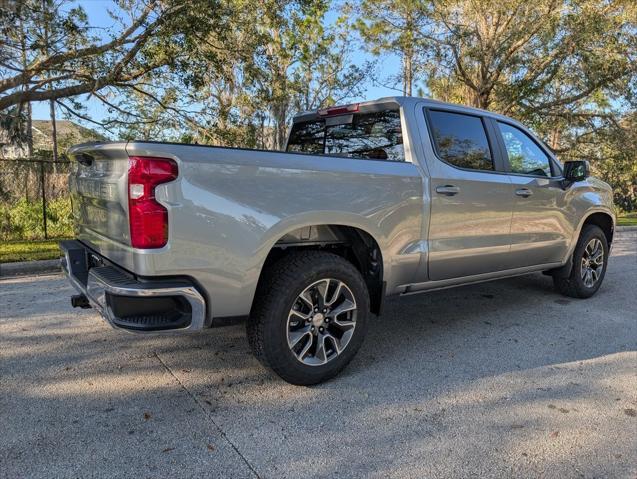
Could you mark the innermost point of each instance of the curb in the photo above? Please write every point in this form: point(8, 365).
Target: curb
point(24, 268)
point(626, 228)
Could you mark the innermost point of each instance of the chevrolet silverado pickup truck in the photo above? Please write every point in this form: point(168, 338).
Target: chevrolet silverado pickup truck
point(389, 197)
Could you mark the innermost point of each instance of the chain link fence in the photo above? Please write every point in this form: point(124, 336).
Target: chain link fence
point(35, 203)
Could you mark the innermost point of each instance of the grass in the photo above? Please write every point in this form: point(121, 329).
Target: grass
point(629, 219)
point(12, 251)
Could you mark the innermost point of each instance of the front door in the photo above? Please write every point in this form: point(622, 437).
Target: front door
point(540, 230)
point(471, 199)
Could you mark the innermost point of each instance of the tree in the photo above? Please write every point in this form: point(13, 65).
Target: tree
point(240, 85)
point(65, 59)
point(521, 57)
point(612, 150)
point(568, 68)
point(395, 26)
point(12, 126)
point(300, 64)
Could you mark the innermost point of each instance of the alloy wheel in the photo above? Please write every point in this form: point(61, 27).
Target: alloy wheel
point(592, 262)
point(321, 322)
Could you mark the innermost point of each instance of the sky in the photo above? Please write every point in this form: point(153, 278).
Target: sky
point(98, 17)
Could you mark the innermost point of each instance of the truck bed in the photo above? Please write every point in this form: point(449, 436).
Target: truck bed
point(228, 207)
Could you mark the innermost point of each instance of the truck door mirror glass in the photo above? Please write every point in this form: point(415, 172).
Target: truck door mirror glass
point(576, 170)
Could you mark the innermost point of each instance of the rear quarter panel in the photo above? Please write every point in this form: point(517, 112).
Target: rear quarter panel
point(230, 206)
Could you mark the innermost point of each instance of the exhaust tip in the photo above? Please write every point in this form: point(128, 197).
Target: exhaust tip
point(80, 301)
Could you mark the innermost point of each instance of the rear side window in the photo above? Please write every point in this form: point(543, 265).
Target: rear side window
point(525, 156)
point(461, 140)
point(373, 136)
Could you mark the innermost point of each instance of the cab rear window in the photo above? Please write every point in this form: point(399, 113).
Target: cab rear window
point(371, 136)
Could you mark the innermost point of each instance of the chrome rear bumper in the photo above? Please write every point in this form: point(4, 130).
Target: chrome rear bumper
point(132, 303)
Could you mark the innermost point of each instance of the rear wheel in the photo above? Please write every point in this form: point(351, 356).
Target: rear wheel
point(590, 259)
point(310, 316)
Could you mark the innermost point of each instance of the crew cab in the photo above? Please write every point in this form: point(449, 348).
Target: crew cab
point(389, 197)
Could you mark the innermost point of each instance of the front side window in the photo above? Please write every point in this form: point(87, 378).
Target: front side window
point(525, 156)
point(461, 140)
point(374, 136)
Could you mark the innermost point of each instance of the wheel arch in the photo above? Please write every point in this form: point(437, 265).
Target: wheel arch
point(354, 243)
point(602, 218)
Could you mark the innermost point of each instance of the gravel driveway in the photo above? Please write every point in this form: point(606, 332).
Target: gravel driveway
point(502, 379)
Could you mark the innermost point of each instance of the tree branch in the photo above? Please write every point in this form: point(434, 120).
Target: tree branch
point(43, 64)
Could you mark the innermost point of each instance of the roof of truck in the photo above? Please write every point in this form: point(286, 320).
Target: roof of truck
point(405, 101)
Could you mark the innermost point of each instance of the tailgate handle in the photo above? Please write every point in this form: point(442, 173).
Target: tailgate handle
point(83, 158)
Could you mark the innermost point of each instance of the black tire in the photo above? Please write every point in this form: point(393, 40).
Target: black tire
point(573, 285)
point(278, 290)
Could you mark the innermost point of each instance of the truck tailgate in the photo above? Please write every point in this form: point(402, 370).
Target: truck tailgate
point(98, 185)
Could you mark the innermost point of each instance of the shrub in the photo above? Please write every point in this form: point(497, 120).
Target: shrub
point(22, 220)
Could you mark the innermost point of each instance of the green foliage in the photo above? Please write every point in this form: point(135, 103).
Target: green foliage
point(612, 152)
point(23, 219)
point(396, 26)
point(53, 53)
point(240, 76)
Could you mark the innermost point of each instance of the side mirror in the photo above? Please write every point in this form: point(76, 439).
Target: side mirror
point(577, 170)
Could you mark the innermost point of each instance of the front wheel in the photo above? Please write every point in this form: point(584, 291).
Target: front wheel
point(310, 316)
point(590, 259)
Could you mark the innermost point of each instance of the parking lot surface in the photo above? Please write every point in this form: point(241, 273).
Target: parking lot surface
point(501, 379)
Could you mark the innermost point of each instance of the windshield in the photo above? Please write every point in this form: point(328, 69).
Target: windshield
point(375, 136)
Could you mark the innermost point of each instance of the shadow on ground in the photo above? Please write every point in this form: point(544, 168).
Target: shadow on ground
point(500, 379)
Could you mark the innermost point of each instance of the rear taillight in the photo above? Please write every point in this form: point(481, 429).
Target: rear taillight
point(148, 219)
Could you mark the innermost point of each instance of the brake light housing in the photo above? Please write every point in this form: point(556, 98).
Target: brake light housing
point(339, 110)
point(148, 218)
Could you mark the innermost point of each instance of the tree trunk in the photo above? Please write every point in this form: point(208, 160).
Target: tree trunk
point(555, 138)
point(481, 97)
point(408, 53)
point(29, 130)
point(25, 64)
point(485, 99)
point(54, 136)
point(279, 112)
point(54, 132)
point(408, 75)
point(280, 108)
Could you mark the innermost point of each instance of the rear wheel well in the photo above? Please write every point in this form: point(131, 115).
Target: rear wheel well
point(604, 221)
point(355, 245)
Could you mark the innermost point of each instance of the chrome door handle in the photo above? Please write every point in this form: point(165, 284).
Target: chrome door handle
point(523, 192)
point(447, 190)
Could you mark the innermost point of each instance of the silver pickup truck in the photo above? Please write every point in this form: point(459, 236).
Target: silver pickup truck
point(389, 197)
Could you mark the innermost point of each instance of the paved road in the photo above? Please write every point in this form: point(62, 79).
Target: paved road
point(504, 379)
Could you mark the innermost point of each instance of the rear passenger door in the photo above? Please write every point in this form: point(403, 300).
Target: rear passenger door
point(471, 197)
